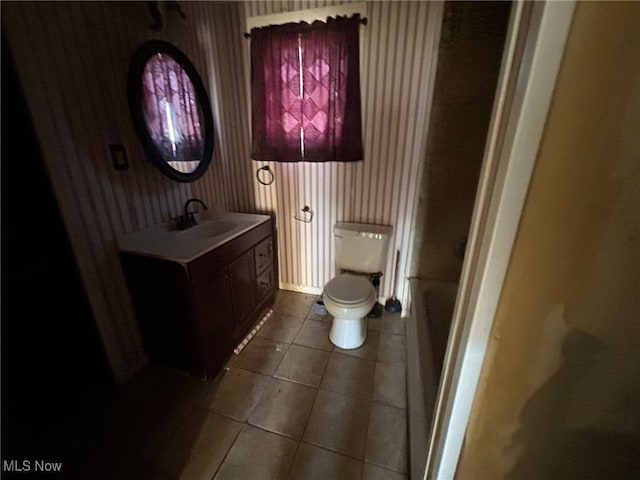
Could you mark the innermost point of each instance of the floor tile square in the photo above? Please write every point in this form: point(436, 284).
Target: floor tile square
point(236, 393)
point(281, 328)
point(338, 422)
point(374, 324)
point(349, 375)
point(315, 463)
point(147, 438)
point(196, 448)
point(145, 409)
point(387, 437)
point(327, 317)
point(392, 349)
point(294, 303)
point(373, 472)
point(257, 454)
point(261, 355)
point(284, 408)
point(392, 323)
point(303, 365)
point(314, 334)
point(368, 350)
point(389, 385)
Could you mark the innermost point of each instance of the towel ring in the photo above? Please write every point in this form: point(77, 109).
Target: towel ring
point(272, 177)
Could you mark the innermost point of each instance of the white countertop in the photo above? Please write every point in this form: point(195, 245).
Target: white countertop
point(183, 246)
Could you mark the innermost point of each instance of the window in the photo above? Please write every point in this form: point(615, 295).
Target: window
point(306, 92)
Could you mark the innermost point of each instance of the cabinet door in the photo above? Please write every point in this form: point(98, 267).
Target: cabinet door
point(243, 286)
point(215, 320)
point(213, 309)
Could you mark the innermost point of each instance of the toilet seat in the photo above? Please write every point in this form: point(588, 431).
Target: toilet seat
point(349, 290)
point(349, 298)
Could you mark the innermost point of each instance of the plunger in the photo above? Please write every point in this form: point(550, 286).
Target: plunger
point(376, 311)
point(393, 305)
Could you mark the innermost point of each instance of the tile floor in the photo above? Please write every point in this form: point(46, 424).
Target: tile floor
point(290, 406)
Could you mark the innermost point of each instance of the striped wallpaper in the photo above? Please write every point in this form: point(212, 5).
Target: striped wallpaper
point(73, 57)
point(396, 64)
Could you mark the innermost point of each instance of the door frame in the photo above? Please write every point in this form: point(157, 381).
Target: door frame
point(532, 57)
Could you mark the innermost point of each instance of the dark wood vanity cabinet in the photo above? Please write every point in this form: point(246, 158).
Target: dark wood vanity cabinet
point(192, 316)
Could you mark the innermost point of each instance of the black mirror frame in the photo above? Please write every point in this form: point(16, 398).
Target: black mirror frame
point(134, 91)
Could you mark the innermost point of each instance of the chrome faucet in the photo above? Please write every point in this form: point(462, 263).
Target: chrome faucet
point(188, 220)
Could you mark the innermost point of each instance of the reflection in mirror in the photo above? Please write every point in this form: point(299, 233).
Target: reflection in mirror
point(171, 111)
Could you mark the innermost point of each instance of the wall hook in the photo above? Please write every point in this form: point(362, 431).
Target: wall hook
point(307, 213)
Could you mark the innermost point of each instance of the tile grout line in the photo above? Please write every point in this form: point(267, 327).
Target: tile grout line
point(298, 442)
point(315, 399)
point(366, 438)
point(224, 458)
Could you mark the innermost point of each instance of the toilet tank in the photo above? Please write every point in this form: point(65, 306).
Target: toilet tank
point(361, 247)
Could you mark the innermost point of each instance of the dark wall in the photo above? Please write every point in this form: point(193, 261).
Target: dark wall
point(53, 362)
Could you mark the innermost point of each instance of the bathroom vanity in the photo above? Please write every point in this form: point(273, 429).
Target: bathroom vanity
point(198, 292)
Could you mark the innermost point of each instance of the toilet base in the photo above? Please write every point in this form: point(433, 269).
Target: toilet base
point(348, 334)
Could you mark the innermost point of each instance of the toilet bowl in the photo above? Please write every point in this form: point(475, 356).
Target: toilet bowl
point(349, 298)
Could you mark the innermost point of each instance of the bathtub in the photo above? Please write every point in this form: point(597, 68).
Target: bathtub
point(431, 311)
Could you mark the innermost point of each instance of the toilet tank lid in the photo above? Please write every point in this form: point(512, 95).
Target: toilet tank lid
point(356, 228)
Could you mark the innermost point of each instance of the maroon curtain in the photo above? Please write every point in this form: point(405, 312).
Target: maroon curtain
point(306, 92)
point(171, 110)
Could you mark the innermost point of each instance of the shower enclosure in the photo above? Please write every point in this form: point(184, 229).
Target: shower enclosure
point(469, 60)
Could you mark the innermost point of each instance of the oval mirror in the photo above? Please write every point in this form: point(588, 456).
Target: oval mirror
point(171, 111)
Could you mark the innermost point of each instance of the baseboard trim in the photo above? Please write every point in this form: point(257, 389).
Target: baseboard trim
point(300, 288)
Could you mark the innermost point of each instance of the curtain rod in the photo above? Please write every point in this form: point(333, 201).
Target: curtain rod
point(363, 21)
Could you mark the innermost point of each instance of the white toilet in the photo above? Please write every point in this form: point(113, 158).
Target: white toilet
point(361, 250)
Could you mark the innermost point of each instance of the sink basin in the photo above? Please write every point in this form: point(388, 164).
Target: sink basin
point(183, 246)
point(207, 229)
